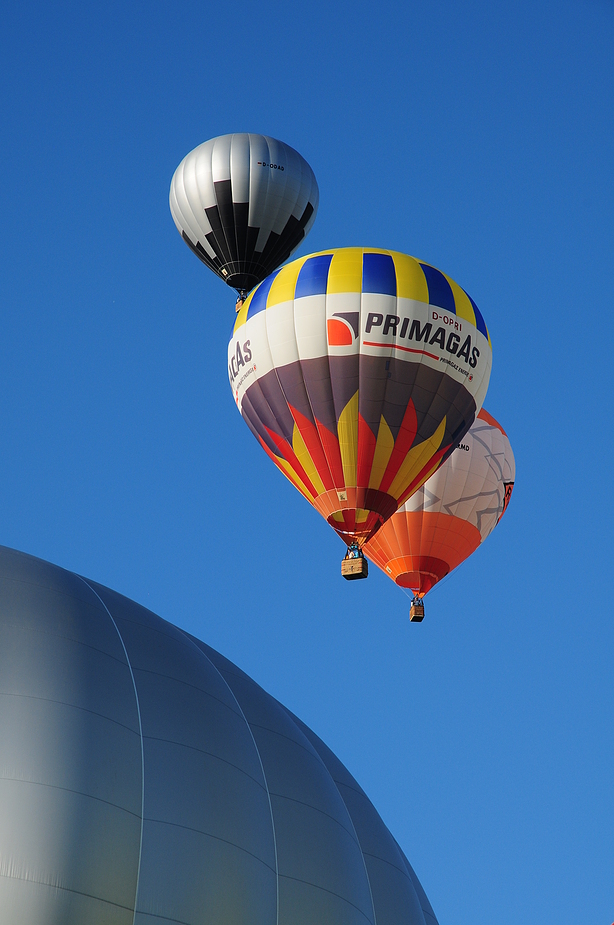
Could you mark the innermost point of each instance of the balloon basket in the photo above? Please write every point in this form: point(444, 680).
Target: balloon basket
point(351, 569)
point(416, 611)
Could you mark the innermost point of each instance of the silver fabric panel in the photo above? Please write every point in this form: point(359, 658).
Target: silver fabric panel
point(262, 214)
point(394, 895)
point(318, 854)
point(189, 878)
point(240, 166)
point(304, 192)
point(194, 194)
point(201, 160)
point(46, 904)
point(298, 183)
point(281, 204)
point(397, 893)
point(258, 182)
point(70, 756)
point(207, 833)
point(181, 210)
point(237, 814)
point(427, 910)
point(220, 158)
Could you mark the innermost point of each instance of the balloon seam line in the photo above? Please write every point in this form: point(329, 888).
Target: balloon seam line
point(138, 711)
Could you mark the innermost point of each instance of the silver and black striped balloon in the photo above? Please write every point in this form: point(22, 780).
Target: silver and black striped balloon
point(243, 203)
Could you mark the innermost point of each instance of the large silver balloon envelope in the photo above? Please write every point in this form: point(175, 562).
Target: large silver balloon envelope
point(144, 778)
point(243, 203)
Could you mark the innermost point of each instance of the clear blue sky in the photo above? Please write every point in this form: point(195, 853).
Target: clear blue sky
point(475, 136)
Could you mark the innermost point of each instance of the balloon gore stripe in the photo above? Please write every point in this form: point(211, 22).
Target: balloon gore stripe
point(367, 271)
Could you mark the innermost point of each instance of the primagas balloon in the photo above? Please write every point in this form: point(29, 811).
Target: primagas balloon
point(359, 370)
point(243, 203)
point(454, 511)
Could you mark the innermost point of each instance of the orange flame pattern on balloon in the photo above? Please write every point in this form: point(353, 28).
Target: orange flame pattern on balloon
point(369, 476)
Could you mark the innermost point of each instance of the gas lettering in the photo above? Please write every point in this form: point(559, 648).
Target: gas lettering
point(463, 353)
point(445, 335)
point(239, 360)
point(452, 343)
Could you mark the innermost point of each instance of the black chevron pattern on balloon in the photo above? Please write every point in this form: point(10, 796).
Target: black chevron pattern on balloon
point(234, 241)
point(211, 262)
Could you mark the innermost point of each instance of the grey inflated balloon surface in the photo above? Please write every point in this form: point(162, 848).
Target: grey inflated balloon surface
point(144, 778)
point(243, 203)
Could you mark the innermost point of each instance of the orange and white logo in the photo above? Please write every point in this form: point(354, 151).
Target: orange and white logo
point(342, 329)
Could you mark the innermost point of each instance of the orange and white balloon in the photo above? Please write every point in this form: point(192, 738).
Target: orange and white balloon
point(452, 514)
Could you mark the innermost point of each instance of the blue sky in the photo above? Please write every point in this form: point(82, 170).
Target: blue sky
point(478, 137)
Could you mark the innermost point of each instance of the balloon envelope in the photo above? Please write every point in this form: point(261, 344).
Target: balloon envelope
point(358, 371)
point(243, 203)
point(447, 519)
point(145, 778)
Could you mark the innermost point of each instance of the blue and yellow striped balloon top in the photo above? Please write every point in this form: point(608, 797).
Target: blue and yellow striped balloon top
point(359, 269)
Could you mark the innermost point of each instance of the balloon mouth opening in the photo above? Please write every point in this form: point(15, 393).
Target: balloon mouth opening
point(356, 514)
point(418, 582)
point(355, 525)
point(239, 279)
point(242, 282)
point(420, 573)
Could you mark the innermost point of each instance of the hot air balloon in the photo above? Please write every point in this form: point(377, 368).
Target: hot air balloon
point(243, 203)
point(454, 511)
point(145, 778)
point(358, 371)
